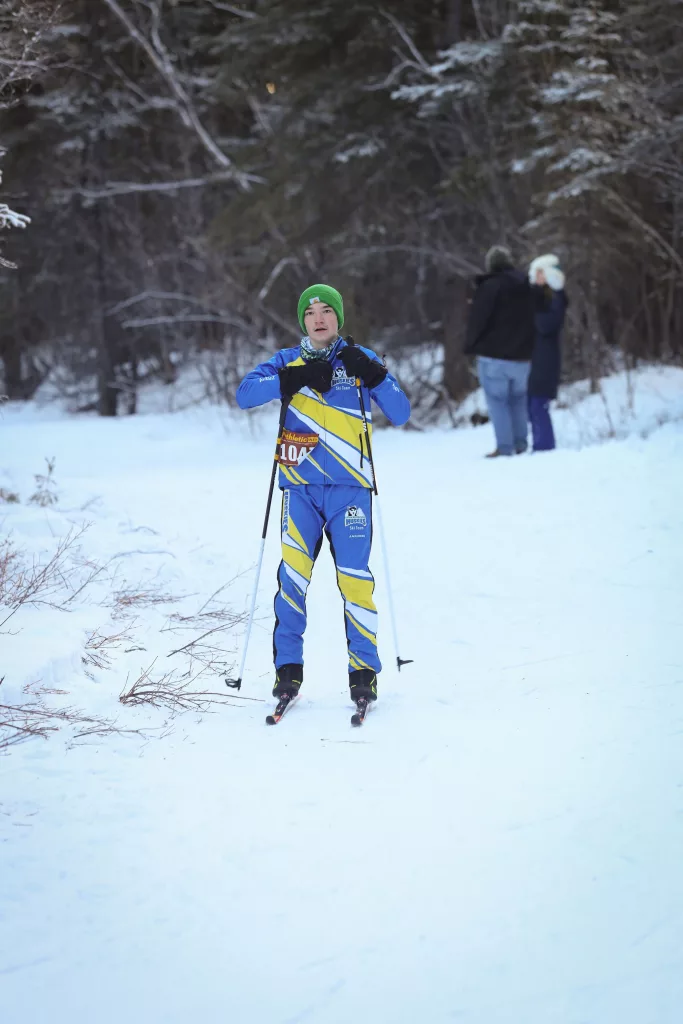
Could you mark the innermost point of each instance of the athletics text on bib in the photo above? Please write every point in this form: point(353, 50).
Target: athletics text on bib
point(294, 448)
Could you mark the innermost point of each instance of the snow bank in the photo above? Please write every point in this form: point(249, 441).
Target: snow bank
point(626, 404)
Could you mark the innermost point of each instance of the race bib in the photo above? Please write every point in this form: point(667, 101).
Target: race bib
point(294, 448)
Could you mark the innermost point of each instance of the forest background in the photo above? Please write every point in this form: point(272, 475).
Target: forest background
point(189, 166)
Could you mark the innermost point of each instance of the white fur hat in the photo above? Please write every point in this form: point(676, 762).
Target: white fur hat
point(550, 265)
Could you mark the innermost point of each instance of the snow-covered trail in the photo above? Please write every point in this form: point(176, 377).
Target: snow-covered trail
point(500, 844)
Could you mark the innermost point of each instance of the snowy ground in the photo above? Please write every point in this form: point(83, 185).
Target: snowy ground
point(500, 844)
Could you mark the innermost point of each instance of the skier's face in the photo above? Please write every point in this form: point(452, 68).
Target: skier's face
point(321, 324)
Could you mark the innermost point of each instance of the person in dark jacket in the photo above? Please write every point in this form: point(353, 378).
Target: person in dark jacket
point(551, 305)
point(500, 333)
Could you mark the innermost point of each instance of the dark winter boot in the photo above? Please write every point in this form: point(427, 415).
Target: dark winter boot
point(288, 679)
point(363, 683)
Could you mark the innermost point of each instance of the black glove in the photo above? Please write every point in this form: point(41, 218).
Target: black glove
point(357, 364)
point(317, 375)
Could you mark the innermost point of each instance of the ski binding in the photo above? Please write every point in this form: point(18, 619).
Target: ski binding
point(362, 704)
point(282, 705)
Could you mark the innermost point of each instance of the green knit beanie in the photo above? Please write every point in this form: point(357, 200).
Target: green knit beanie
point(321, 293)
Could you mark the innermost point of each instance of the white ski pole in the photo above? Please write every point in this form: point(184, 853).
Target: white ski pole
point(236, 684)
point(399, 660)
point(390, 593)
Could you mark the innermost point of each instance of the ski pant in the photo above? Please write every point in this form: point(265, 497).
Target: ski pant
point(504, 383)
point(345, 514)
point(543, 436)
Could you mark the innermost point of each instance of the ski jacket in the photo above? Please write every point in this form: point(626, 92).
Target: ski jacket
point(544, 378)
point(501, 320)
point(323, 441)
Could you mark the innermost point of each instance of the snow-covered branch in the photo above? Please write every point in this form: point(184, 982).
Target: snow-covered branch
point(231, 9)
point(12, 219)
point(161, 59)
point(125, 188)
point(183, 318)
point(286, 261)
point(23, 30)
point(418, 58)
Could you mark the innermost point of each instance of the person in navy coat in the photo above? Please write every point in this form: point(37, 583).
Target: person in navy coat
point(546, 360)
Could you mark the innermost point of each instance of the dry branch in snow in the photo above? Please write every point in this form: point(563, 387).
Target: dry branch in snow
point(99, 650)
point(214, 620)
point(55, 581)
point(140, 597)
point(172, 692)
point(35, 720)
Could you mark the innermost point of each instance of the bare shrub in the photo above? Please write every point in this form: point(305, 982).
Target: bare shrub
point(10, 569)
point(36, 689)
point(99, 650)
point(35, 720)
point(207, 648)
point(173, 693)
point(45, 493)
point(210, 654)
point(54, 582)
point(9, 497)
point(17, 725)
point(140, 597)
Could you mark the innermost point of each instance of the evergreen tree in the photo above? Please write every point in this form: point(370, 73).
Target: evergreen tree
point(189, 166)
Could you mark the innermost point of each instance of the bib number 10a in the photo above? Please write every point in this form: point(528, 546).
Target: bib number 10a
point(294, 448)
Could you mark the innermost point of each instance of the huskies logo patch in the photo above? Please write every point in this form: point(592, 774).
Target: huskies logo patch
point(340, 376)
point(355, 517)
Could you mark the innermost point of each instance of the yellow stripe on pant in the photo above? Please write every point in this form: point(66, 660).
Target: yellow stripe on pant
point(345, 514)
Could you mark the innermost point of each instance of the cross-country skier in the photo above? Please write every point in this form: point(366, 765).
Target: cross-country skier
point(326, 478)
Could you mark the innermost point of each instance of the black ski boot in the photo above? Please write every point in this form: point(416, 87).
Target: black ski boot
point(288, 680)
point(363, 685)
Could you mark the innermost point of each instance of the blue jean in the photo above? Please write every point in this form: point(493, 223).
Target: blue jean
point(542, 433)
point(504, 383)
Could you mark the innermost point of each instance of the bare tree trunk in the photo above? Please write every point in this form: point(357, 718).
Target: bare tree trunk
point(10, 353)
point(106, 360)
point(357, 324)
point(453, 31)
point(594, 337)
point(648, 316)
point(10, 349)
point(457, 376)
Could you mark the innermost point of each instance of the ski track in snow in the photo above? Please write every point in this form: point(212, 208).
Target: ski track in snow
point(500, 843)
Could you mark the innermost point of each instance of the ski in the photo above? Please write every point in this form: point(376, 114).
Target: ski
point(359, 717)
point(362, 706)
point(282, 705)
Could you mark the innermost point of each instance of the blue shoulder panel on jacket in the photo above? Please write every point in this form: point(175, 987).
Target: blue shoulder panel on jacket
point(389, 395)
point(263, 384)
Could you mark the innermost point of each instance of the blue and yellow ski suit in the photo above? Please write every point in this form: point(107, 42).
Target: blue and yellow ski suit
point(326, 478)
